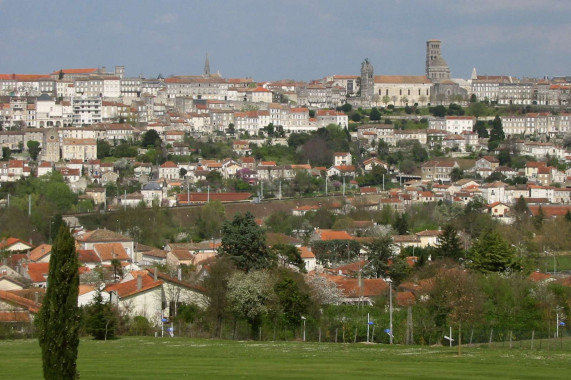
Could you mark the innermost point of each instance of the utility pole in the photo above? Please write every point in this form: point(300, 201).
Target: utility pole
point(208, 195)
point(390, 310)
point(343, 185)
point(29, 204)
point(280, 193)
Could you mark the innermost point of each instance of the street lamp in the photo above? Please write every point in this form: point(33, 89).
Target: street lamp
point(390, 310)
point(303, 319)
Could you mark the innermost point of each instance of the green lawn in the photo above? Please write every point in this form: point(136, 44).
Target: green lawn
point(563, 262)
point(152, 358)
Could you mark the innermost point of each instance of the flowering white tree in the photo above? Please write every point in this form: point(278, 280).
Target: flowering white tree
point(249, 295)
point(324, 291)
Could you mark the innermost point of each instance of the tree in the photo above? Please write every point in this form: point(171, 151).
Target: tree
point(248, 296)
point(101, 318)
point(356, 116)
point(216, 285)
point(492, 253)
point(386, 100)
point(379, 251)
point(151, 138)
point(456, 174)
point(480, 129)
point(375, 114)
point(401, 224)
point(211, 217)
point(60, 75)
point(293, 296)
point(244, 242)
point(438, 111)
point(6, 153)
point(58, 319)
point(103, 149)
point(496, 134)
point(449, 244)
point(288, 255)
point(33, 149)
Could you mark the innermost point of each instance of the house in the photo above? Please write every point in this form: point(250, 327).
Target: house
point(359, 291)
point(103, 236)
point(498, 210)
point(324, 234)
point(302, 210)
point(16, 310)
point(429, 237)
point(88, 258)
point(342, 159)
point(370, 163)
point(10, 283)
point(40, 254)
point(111, 251)
point(37, 273)
point(142, 296)
point(178, 292)
point(178, 257)
point(154, 256)
point(169, 170)
point(308, 258)
point(438, 170)
point(342, 171)
point(97, 194)
point(200, 198)
point(15, 245)
point(87, 294)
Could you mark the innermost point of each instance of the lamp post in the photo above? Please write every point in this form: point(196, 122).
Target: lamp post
point(390, 310)
point(303, 319)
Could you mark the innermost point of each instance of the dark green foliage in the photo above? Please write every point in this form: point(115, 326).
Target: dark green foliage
point(335, 251)
point(296, 140)
point(244, 242)
point(449, 243)
point(379, 251)
point(216, 285)
point(6, 153)
point(101, 318)
point(399, 270)
point(355, 116)
point(438, 111)
point(401, 224)
point(288, 255)
point(455, 110)
point(496, 134)
point(151, 138)
point(419, 153)
point(293, 297)
point(375, 114)
point(456, 174)
point(33, 149)
point(480, 129)
point(125, 150)
point(58, 319)
point(103, 149)
point(210, 220)
point(374, 177)
point(492, 253)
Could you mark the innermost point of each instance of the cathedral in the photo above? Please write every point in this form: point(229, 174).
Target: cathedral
point(444, 90)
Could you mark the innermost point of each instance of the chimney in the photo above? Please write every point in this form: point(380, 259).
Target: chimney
point(155, 274)
point(179, 274)
point(139, 282)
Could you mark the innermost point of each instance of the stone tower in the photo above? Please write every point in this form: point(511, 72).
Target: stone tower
point(367, 80)
point(207, 66)
point(51, 147)
point(437, 69)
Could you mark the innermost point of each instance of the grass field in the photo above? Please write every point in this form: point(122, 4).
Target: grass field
point(563, 262)
point(152, 358)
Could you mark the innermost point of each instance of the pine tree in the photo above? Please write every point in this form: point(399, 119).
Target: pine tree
point(449, 243)
point(492, 253)
point(244, 242)
point(58, 319)
point(101, 321)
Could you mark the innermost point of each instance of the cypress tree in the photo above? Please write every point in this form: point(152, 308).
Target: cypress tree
point(58, 319)
point(449, 243)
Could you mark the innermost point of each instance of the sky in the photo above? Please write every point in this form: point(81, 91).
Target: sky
point(286, 39)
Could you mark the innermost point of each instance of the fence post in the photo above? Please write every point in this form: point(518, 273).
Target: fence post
point(336, 329)
point(532, 336)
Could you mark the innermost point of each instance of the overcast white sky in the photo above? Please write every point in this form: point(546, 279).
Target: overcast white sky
point(286, 39)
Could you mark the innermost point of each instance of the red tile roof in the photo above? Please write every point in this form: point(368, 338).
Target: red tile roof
point(129, 288)
point(110, 251)
point(38, 271)
point(333, 235)
point(39, 252)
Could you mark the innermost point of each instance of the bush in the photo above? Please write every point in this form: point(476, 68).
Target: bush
point(140, 326)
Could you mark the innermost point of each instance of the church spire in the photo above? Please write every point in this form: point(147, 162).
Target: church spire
point(207, 66)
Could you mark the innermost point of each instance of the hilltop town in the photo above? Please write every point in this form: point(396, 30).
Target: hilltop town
point(355, 182)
